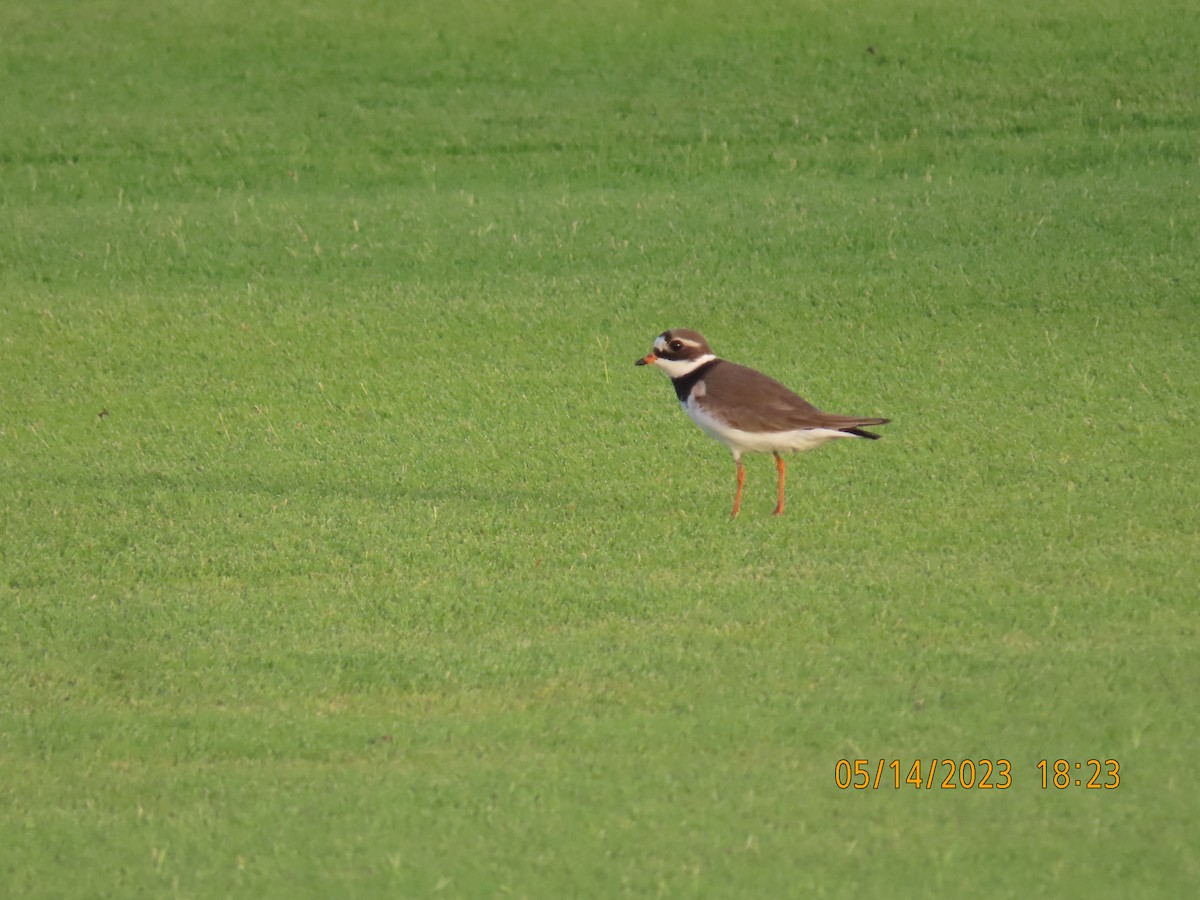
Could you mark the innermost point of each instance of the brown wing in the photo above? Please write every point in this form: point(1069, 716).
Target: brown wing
point(759, 403)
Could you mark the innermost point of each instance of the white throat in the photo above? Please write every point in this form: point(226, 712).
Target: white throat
point(677, 368)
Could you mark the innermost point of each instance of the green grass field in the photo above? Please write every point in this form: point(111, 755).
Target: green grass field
point(345, 553)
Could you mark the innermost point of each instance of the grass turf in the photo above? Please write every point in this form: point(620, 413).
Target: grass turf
point(345, 551)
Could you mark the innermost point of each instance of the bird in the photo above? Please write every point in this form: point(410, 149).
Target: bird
point(744, 409)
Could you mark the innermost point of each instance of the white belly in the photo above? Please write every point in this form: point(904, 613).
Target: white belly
point(740, 442)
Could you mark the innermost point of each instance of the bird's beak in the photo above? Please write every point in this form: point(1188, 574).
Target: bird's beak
point(646, 360)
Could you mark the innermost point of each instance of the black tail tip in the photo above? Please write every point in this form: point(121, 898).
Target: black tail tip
point(859, 431)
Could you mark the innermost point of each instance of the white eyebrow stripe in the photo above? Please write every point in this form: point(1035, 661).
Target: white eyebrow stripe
point(660, 343)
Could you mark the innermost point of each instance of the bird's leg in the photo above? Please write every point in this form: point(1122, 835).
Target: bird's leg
point(737, 498)
point(782, 467)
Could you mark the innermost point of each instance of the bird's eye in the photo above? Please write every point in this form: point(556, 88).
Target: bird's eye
point(676, 345)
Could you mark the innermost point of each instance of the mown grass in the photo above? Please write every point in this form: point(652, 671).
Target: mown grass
point(345, 551)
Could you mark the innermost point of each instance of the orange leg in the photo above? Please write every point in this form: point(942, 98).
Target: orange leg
point(782, 467)
point(737, 498)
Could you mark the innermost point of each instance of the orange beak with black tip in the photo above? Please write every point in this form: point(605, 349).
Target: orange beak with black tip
point(646, 360)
